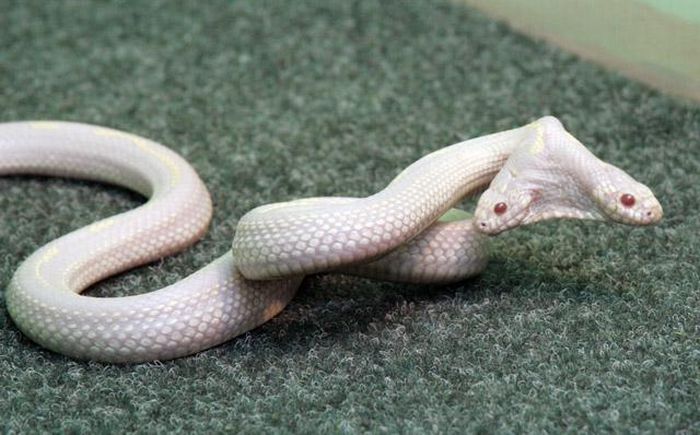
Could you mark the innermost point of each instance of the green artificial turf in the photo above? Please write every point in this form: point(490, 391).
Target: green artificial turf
point(573, 326)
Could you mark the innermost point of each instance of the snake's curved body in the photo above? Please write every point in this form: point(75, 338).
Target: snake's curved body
point(395, 234)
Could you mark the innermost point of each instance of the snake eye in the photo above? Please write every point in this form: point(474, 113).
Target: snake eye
point(627, 199)
point(500, 208)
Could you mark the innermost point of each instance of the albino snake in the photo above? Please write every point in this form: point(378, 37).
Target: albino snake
point(396, 234)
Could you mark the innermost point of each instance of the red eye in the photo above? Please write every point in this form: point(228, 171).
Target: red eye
point(500, 208)
point(627, 199)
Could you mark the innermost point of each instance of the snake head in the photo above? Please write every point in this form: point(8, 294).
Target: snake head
point(620, 198)
point(551, 175)
point(506, 204)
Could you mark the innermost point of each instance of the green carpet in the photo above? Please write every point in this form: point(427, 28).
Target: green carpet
point(574, 325)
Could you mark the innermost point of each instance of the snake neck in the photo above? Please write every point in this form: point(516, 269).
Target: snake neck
point(458, 170)
point(304, 237)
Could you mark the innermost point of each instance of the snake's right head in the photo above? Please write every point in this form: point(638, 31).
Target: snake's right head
point(623, 199)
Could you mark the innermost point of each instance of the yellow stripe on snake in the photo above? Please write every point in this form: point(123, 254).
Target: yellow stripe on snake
point(405, 232)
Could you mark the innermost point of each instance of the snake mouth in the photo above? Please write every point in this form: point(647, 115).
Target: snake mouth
point(653, 216)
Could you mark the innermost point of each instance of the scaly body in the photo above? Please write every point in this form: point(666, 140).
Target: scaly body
point(394, 234)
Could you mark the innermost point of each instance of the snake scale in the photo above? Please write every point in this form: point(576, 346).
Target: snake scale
point(406, 232)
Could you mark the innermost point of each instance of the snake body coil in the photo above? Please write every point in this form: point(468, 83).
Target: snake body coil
point(395, 234)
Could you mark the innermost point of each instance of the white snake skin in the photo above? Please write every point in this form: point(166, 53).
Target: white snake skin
point(394, 234)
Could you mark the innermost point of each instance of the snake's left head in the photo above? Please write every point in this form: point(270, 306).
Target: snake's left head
point(508, 203)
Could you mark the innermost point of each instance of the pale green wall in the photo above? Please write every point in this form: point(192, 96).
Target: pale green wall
point(685, 9)
point(654, 41)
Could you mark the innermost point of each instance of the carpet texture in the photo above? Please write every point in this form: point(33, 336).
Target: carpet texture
point(573, 326)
